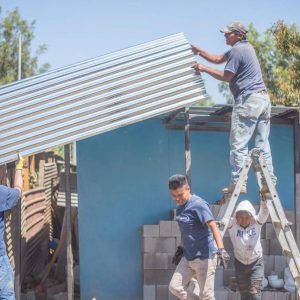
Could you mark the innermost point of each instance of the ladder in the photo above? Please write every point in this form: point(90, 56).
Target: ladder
point(281, 225)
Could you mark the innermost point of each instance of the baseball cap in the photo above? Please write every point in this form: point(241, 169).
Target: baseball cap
point(235, 26)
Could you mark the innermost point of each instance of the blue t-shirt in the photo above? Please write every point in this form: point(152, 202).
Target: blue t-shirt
point(196, 237)
point(8, 199)
point(243, 62)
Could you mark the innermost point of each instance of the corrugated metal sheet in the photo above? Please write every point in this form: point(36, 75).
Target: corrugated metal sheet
point(97, 95)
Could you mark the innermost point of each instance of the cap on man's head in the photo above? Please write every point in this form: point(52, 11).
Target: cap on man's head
point(235, 26)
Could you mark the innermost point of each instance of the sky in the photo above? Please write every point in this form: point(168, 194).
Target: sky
point(75, 30)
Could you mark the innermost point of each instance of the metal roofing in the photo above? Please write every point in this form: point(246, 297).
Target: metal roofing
point(97, 95)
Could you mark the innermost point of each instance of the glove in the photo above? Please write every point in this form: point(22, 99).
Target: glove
point(177, 256)
point(223, 258)
point(20, 163)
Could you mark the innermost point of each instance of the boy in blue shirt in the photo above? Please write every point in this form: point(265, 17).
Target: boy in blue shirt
point(199, 233)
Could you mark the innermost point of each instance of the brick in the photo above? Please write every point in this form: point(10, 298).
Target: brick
point(150, 231)
point(280, 264)
point(162, 292)
point(165, 228)
point(149, 292)
point(156, 261)
point(270, 232)
point(175, 229)
point(162, 245)
point(269, 262)
point(275, 247)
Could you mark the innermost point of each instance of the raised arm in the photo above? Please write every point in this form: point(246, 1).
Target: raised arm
point(213, 58)
point(263, 213)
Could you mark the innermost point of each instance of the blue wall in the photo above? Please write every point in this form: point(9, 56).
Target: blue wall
point(122, 184)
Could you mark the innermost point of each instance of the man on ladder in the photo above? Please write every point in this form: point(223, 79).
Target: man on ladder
point(251, 107)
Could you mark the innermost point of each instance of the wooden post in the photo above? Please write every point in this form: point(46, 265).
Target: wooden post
point(70, 281)
point(187, 145)
point(297, 175)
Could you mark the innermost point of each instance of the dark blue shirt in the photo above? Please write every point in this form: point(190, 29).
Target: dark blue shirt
point(8, 199)
point(243, 63)
point(196, 237)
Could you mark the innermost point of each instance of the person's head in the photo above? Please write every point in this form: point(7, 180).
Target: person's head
point(234, 32)
point(179, 189)
point(244, 213)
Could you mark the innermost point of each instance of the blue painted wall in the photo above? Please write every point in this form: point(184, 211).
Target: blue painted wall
point(122, 184)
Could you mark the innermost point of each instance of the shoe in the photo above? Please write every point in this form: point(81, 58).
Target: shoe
point(264, 189)
point(229, 189)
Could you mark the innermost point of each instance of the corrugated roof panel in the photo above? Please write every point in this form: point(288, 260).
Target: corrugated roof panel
point(97, 95)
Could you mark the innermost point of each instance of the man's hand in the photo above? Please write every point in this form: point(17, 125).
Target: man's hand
point(223, 257)
point(177, 256)
point(199, 68)
point(195, 50)
point(20, 162)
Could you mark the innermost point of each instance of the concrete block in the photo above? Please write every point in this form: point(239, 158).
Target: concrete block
point(162, 292)
point(156, 261)
point(219, 278)
point(157, 277)
point(275, 247)
point(263, 232)
point(270, 232)
point(172, 297)
point(175, 229)
point(228, 245)
point(177, 242)
point(171, 266)
point(269, 262)
point(280, 264)
point(221, 294)
point(150, 231)
point(162, 245)
point(290, 215)
point(227, 274)
point(266, 246)
point(165, 228)
point(149, 292)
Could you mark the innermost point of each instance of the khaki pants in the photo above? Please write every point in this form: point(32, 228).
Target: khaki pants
point(204, 271)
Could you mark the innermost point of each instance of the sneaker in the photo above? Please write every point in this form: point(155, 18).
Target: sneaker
point(230, 189)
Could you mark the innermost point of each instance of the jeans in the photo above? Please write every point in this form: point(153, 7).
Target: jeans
point(6, 279)
point(204, 269)
point(249, 279)
point(250, 118)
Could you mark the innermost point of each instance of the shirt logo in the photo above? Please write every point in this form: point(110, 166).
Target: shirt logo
point(183, 218)
point(250, 232)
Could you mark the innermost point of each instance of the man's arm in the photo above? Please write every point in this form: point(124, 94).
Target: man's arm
point(214, 58)
point(263, 213)
point(217, 74)
point(216, 233)
point(18, 181)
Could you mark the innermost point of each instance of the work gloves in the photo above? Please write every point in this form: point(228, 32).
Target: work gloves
point(20, 162)
point(223, 257)
point(177, 256)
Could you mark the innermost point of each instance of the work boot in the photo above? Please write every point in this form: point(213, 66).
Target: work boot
point(229, 189)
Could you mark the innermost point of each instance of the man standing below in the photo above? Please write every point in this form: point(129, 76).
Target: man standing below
point(9, 198)
point(251, 107)
point(197, 226)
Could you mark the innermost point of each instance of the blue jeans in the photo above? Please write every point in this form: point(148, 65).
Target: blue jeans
point(6, 279)
point(250, 118)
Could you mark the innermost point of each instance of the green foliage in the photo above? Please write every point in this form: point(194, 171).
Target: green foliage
point(11, 26)
point(279, 56)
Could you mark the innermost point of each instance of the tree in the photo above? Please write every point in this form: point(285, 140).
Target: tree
point(11, 26)
point(279, 64)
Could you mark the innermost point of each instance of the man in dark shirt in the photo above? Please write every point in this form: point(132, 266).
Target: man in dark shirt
point(9, 198)
point(199, 234)
point(251, 107)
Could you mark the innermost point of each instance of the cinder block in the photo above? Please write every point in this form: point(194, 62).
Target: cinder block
point(290, 215)
point(219, 278)
point(221, 294)
point(228, 245)
point(150, 231)
point(266, 246)
point(157, 277)
point(172, 297)
point(162, 245)
point(177, 242)
point(263, 232)
point(270, 232)
point(156, 261)
point(165, 228)
point(149, 292)
point(175, 229)
point(227, 274)
point(162, 292)
point(150, 244)
point(171, 266)
point(275, 247)
point(280, 264)
point(269, 262)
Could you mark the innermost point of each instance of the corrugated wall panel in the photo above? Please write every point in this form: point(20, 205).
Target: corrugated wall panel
point(97, 95)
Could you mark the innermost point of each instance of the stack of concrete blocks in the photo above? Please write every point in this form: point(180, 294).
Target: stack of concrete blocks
point(159, 243)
